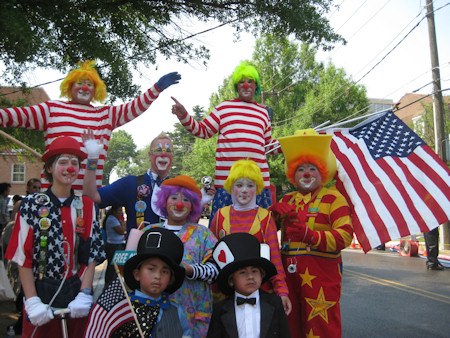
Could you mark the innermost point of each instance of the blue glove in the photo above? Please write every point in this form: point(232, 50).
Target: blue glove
point(167, 80)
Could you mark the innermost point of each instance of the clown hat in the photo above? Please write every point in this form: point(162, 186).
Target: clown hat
point(64, 145)
point(161, 243)
point(237, 251)
point(308, 142)
point(183, 181)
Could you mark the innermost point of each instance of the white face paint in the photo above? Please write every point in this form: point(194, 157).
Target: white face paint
point(308, 178)
point(161, 157)
point(65, 169)
point(244, 191)
point(83, 91)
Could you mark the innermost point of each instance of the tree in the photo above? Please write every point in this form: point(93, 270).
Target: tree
point(121, 150)
point(123, 33)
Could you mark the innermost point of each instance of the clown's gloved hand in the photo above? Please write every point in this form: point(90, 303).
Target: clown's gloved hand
point(81, 305)
point(38, 312)
point(299, 232)
point(281, 208)
point(167, 80)
point(93, 149)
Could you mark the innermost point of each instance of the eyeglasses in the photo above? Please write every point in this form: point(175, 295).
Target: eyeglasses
point(159, 150)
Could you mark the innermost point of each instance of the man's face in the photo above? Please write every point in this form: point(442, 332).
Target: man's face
point(246, 90)
point(307, 177)
point(83, 91)
point(161, 156)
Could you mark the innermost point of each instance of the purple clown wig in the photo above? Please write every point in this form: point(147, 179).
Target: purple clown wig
point(168, 190)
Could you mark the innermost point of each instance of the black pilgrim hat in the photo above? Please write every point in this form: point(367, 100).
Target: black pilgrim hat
point(161, 243)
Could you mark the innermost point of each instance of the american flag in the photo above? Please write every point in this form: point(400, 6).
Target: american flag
point(109, 312)
point(396, 185)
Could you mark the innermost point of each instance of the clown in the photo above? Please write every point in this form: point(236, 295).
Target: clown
point(244, 183)
point(136, 193)
point(56, 237)
point(179, 201)
point(316, 225)
point(83, 86)
point(244, 133)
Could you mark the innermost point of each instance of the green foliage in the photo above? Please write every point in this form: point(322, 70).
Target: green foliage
point(424, 126)
point(121, 150)
point(32, 138)
point(122, 34)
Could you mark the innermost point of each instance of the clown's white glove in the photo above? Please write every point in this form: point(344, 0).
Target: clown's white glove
point(206, 198)
point(81, 305)
point(38, 312)
point(93, 149)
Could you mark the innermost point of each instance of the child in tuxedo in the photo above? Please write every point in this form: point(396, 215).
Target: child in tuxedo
point(248, 311)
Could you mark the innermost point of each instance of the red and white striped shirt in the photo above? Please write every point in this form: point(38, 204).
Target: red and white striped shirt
point(58, 118)
point(244, 133)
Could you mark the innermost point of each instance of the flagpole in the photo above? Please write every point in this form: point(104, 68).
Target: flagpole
point(128, 299)
point(355, 119)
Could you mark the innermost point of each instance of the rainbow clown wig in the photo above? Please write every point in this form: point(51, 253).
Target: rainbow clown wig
point(245, 169)
point(246, 71)
point(187, 186)
point(85, 71)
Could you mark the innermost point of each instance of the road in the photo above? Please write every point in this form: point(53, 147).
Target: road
point(388, 295)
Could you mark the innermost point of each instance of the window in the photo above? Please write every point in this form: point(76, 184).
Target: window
point(18, 173)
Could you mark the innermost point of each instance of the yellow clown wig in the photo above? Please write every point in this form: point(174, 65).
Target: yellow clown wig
point(245, 169)
point(85, 71)
point(246, 71)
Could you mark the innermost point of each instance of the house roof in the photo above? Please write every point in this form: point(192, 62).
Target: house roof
point(415, 109)
point(33, 97)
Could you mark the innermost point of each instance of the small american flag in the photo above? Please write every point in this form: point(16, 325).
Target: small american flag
point(109, 312)
point(396, 185)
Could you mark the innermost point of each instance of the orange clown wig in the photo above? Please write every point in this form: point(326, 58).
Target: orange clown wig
point(85, 71)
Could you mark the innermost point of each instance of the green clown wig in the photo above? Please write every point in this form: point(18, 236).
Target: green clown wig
point(245, 169)
point(85, 71)
point(246, 71)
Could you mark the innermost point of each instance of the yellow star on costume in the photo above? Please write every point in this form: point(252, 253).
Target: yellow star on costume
point(307, 278)
point(319, 306)
point(310, 334)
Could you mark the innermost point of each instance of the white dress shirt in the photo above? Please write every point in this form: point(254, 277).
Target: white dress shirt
point(248, 317)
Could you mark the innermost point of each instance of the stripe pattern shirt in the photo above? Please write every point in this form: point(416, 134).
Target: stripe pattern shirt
point(244, 133)
point(58, 118)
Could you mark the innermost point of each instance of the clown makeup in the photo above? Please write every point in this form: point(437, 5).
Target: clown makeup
point(83, 91)
point(65, 169)
point(246, 90)
point(307, 177)
point(161, 157)
point(243, 194)
point(178, 208)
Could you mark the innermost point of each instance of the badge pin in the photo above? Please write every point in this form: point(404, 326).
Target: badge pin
point(140, 206)
point(143, 190)
point(78, 203)
point(43, 212)
point(80, 221)
point(292, 268)
point(222, 233)
point(42, 199)
point(44, 223)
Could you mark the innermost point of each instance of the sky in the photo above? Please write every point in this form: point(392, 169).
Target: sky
point(372, 29)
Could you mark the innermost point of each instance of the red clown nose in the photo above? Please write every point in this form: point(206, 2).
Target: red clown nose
point(307, 175)
point(180, 205)
point(85, 88)
point(245, 85)
point(70, 169)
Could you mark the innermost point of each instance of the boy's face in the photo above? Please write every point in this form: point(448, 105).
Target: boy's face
point(246, 280)
point(246, 90)
point(307, 177)
point(244, 191)
point(65, 169)
point(82, 91)
point(178, 208)
point(154, 276)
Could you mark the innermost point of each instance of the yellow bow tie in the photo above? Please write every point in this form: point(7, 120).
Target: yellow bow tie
point(300, 197)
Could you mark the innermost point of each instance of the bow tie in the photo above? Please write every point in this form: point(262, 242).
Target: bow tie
point(305, 198)
point(159, 180)
point(240, 301)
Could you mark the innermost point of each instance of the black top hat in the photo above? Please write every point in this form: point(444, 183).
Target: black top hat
point(237, 251)
point(161, 243)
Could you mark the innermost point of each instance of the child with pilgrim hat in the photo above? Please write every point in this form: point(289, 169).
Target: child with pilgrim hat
point(57, 242)
point(153, 274)
point(179, 201)
point(249, 311)
point(315, 226)
point(244, 215)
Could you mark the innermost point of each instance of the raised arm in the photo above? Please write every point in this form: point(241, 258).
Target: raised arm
point(93, 149)
point(34, 117)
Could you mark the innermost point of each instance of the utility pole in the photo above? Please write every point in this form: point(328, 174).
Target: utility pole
point(438, 106)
